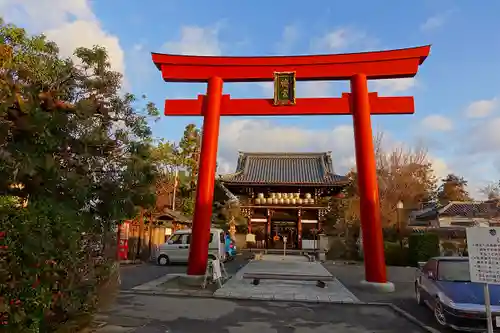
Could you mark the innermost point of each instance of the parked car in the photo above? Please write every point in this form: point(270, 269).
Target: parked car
point(176, 249)
point(230, 247)
point(443, 284)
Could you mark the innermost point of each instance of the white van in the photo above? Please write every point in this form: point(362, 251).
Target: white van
point(176, 249)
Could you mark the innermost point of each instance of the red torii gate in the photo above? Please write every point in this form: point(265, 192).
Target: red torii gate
point(356, 67)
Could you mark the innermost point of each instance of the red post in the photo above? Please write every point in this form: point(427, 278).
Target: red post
point(198, 252)
point(373, 243)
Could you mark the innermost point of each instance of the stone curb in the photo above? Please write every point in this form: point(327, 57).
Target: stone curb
point(151, 285)
point(130, 262)
point(258, 298)
point(181, 293)
point(166, 293)
point(411, 318)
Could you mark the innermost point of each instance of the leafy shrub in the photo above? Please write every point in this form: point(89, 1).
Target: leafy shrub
point(48, 275)
point(75, 150)
point(336, 250)
point(342, 249)
point(422, 247)
point(395, 255)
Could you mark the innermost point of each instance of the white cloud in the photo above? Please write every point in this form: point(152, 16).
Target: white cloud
point(266, 136)
point(482, 108)
point(69, 23)
point(437, 123)
point(138, 47)
point(343, 39)
point(259, 135)
point(196, 40)
point(314, 89)
point(288, 39)
point(484, 137)
point(440, 167)
point(393, 86)
point(436, 21)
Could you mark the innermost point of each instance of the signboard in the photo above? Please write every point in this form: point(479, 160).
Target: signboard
point(216, 271)
point(284, 88)
point(483, 245)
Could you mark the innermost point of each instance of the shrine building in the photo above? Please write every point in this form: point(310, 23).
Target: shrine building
point(281, 195)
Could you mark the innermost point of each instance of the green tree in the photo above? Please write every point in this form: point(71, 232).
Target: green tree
point(187, 153)
point(453, 188)
point(180, 158)
point(77, 147)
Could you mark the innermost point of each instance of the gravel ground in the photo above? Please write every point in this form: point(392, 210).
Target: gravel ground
point(154, 314)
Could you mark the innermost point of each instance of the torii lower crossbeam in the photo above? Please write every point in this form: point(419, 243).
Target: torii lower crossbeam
point(303, 106)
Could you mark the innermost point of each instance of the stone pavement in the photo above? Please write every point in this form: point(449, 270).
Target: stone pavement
point(285, 290)
point(155, 314)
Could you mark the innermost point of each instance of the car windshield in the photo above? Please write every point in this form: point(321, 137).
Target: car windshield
point(456, 271)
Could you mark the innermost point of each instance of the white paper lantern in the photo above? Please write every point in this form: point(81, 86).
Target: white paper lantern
point(287, 201)
point(257, 201)
point(260, 195)
point(293, 201)
point(308, 195)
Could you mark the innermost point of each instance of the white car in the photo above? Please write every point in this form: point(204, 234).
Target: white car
point(176, 249)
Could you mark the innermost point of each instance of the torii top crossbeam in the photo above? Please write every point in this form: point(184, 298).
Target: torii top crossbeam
point(391, 64)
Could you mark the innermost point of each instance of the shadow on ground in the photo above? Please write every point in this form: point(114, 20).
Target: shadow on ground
point(404, 297)
point(150, 314)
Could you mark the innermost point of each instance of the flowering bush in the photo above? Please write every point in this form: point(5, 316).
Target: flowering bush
point(47, 277)
point(75, 158)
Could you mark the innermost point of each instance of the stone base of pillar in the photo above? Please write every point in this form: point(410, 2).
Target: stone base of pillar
point(387, 287)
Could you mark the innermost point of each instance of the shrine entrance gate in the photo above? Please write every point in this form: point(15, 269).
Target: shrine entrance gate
point(284, 70)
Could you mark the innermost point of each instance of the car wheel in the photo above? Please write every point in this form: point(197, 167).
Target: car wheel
point(163, 260)
point(211, 257)
point(418, 295)
point(439, 314)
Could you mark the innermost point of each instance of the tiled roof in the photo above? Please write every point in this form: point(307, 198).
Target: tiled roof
point(464, 209)
point(169, 214)
point(458, 208)
point(284, 168)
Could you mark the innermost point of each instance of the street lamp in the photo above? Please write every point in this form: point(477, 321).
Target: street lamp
point(399, 207)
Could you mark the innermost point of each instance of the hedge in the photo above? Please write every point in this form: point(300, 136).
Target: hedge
point(47, 276)
point(395, 255)
point(422, 247)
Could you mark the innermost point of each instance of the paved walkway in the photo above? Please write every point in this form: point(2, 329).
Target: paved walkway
point(157, 314)
point(285, 290)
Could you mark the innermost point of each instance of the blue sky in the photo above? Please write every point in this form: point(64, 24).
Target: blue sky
point(456, 92)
